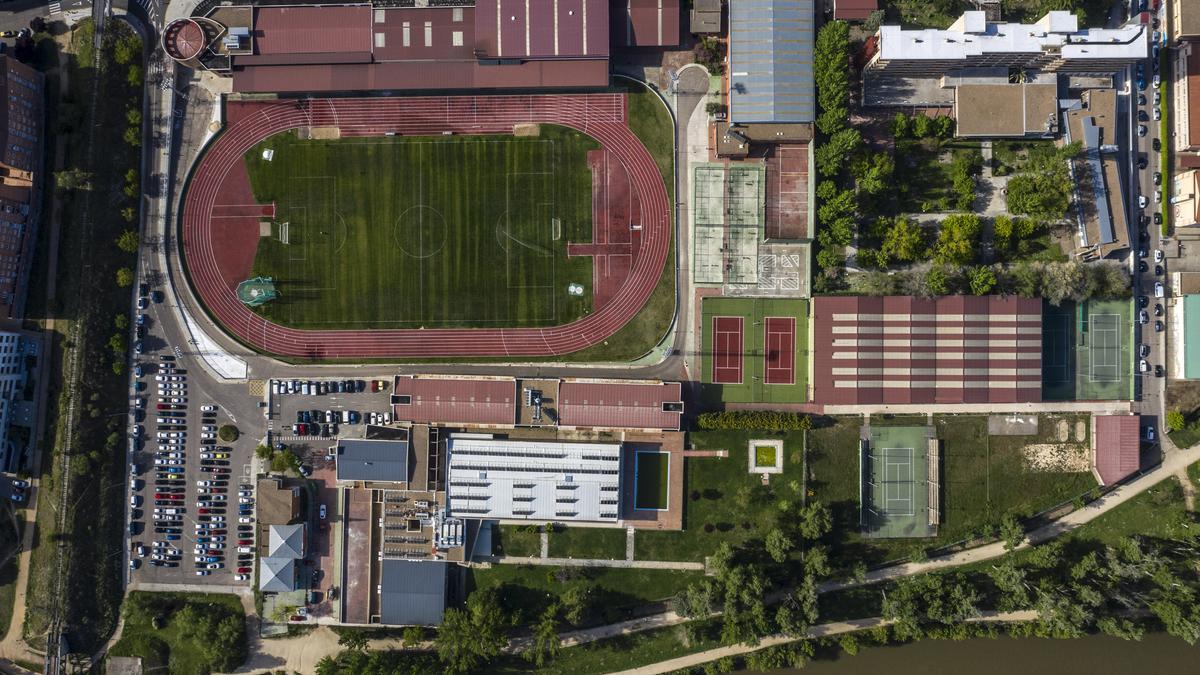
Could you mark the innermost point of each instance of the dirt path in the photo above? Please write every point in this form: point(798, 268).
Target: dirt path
point(1189, 489)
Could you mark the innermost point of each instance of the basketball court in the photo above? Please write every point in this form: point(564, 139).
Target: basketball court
point(727, 349)
point(898, 485)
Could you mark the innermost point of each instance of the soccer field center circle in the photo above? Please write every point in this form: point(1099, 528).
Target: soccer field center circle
point(420, 231)
point(217, 257)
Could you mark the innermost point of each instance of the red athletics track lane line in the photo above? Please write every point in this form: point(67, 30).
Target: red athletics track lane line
point(727, 349)
point(602, 116)
point(779, 337)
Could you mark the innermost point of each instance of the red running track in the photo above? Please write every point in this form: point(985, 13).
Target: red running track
point(601, 116)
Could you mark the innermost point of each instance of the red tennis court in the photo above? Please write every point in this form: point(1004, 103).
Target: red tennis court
point(727, 350)
point(780, 347)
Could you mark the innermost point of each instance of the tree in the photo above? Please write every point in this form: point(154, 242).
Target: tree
point(983, 280)
point(127, 49)
point(798, 611)
point(873, 173)
point(133, 116)
point(576, 603)
point(264, 452)
point(72, 179)
point(905, 240)
point(545, 645)
point(469, 638)
point(958, 237)
point(134, 77)
point(352, 639)
point(837, 151)
point(943, 127)
point(922, 126)
point(228, 433)
point(831, 74)
point(1012, 533)
point(326, 666)
point(124, 277)
point(901, 126)
point(1002, 233)
point(779, 545)
point(696, 600)
point(129, 214)
point(831, 257)
point(121, 321)
point(745, 614)
point(1175, 420)
point(814, 521)
point(133, 137)
point(128, 241)
point(412, 637)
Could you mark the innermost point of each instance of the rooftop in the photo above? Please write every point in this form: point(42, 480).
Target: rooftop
point(770, 61)
point(286, 541)
point(1116, 447)
point(276, 575)
point(972, 35)
point(1191, 337)
point(521, 29)
point(903, 349)
point(854, 10)
point(633, 405)
point(533, 480)
point(455, 400)
point(1005, 110)
point(646, 23)
point(412, 593)
point(373, 460)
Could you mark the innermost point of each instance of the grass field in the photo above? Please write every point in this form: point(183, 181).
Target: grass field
point(174, 648)
point(764, 456)
point(515, 541)
point(983, 477)
point(405, 232)
point(652, 475)
point(754, 388)
point(612, 591)
point(723, 501)
point(607, 543)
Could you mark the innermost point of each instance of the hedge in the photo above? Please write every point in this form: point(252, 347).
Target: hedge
point(767, 420)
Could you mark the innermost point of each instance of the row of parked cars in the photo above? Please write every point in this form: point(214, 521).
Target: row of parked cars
point(318, 387)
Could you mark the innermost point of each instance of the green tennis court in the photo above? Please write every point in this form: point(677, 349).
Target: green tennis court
point(895, 492)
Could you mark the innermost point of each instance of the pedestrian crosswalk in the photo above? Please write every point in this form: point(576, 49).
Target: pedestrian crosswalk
point(55, 7)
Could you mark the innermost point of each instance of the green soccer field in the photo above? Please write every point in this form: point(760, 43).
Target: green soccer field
point(408, 232)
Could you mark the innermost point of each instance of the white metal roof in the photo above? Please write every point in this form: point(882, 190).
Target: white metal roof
point(533, 480)
point(968, 37)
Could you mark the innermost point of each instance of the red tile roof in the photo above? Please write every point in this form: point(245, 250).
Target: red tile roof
point(308, 30)
point(630, 405)
point(902, 349)
point(1192, 87)
point(448, 400)
point(854, 10)
point(543, 29)
point(645, 23)
point(1118, 447)
point(421, 75)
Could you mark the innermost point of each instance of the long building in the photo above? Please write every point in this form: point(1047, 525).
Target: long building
point(486, 44)
point(20, 152)
point(1055, 43)
point(902, 349)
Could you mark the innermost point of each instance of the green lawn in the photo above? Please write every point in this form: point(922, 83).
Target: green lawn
point(607, 543)
point(404, 232)
point(613, 591)
point(982, 479)
point(722, 500)
point(1009, 157)
point(167, 649)
point(652, 471)
point(926, 182)
point(515, 541)
point(764, 456)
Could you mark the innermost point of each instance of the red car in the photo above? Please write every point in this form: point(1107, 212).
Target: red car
point(243, 570)
point(245, 542)
point(166, 495)
point(204, 511)
point(216, 532)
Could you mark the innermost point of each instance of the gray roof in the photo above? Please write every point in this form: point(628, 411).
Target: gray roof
point(770, 61)
point(373, 460)
point(413, 592)
point(286, 541)
point(277, 575)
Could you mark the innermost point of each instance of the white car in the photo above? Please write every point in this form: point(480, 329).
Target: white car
point(1142, 202)
point(323, 512)
point(206, 455)
point(141, 551)
point(1157, 114)
point(245, 500)
point(208, 408)
point(207, 434)
point(241, 577)
point(1158, 195)
point(202, 573)
point(387, 418)
point(274, 386)
point(1159, 291)
point(245, 493)
point(160, 378)
point(1143, 366)
point(204, 483)
point(1158, 255)
point(208, 427)
point(245, 519)
point(216, 566)
point(245, 549)
point(1149, 433)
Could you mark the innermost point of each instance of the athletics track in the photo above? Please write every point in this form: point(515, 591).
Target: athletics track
point(601, 116)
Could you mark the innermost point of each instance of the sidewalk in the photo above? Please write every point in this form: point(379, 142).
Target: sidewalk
point(591, 562)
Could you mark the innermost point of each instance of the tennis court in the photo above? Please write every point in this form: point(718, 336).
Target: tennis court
point(767, 360)
point(896, 487)
point(727, 349)
point(780, 350)
point(1087, 351)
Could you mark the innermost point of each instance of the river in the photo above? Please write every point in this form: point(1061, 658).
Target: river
point(1093, 655)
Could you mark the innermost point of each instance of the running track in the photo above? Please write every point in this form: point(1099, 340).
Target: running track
point(601, 116)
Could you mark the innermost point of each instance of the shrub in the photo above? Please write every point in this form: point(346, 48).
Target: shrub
point(228, 433)
point(767, 420)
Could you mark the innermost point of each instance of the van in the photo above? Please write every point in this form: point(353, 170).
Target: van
point(245, 549)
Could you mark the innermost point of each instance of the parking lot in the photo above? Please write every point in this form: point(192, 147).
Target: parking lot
point(316, 412)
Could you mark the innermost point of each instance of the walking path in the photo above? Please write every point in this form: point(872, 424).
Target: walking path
point(1189, 489)
point(544, 542)
point(823, 630)
point(591, 562)
point(629, 543)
